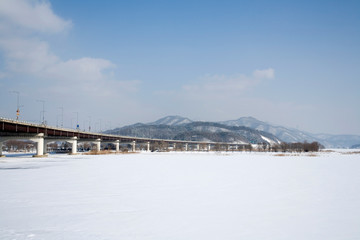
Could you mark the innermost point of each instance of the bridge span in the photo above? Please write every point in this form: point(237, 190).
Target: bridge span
point(43, 134)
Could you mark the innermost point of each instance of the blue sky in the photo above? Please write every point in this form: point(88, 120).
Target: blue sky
point(292, 63)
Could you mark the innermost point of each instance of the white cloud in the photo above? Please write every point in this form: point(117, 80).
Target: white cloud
point(217, 97)
point(33, 15)
point(85, 77)
point(31, 65)
point(264, 74)
point(217, 85)
point(220, 83)
point(2, 75)
point(31, 56)
point(89, 69)
point(26, 55)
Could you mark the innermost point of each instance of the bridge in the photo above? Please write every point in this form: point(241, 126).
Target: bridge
point(43, 134)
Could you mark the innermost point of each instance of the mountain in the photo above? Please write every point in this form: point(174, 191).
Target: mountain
point(171, 121)
point(295, 135)
point(242, 130)
point(338, 141)
point(285, 134)
point(356, 146)
point(196, 131)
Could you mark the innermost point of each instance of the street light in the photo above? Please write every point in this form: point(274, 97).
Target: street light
point(89, 123)
point(18, 104)
point(77, 120)
point(84, 124)
point(43, 111)
point(57, 120)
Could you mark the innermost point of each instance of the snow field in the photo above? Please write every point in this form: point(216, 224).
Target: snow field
point(181, 196)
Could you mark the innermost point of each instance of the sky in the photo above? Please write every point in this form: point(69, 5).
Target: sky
point(107, 64)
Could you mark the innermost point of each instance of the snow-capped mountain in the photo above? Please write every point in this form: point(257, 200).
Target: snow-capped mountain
point(242, 130)
point(171, 121)
point(338, 141)
point(356, 146)
point(198, 131)
point(285, 134)
point(295, 135)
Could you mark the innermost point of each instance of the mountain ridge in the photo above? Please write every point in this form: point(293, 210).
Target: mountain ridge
point(171, 120)
point(197, 131)
point(167, 127)
point(295, 135)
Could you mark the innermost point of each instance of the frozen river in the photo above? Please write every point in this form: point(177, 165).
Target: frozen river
point(192, 196)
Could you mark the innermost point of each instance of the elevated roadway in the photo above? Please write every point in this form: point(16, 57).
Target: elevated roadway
point(42, 134)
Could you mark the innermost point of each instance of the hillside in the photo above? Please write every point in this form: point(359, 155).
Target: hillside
point(285, 134)
point(242, 130)
point(295, 135)
point(197, 131)
point(171, 121)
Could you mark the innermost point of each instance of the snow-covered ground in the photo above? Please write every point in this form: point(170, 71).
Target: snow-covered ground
point(181, 196)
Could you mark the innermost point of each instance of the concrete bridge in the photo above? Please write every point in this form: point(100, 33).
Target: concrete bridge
point(42, 135)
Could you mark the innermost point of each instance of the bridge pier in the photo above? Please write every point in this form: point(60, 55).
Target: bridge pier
point(198, 147)
point(148, 147)
point(39, 140)
point(209, 147)
point(133, 144)
point(117, 144)
point(73, 143)
point(1, 145)
point(98, 144)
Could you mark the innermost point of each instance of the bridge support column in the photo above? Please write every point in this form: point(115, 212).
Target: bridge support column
point(198, 147)
point(98, 144)
point(1, 145)
point(186, 146)
point(45, 146)
point(74, 145)
point(174, 146)
point(148, 147)
point(133, 146)
point(39, 139)
point(209, 147)
point(117, 143)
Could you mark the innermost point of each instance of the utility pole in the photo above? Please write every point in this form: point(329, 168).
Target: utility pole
point(43, 111)
point(89, 123)
point(84, 124)
point(17, 104)
point(77, 120)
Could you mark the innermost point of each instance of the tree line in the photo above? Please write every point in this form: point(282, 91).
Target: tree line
point(298, 147)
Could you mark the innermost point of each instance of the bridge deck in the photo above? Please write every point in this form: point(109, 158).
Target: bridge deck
point(9, 127)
